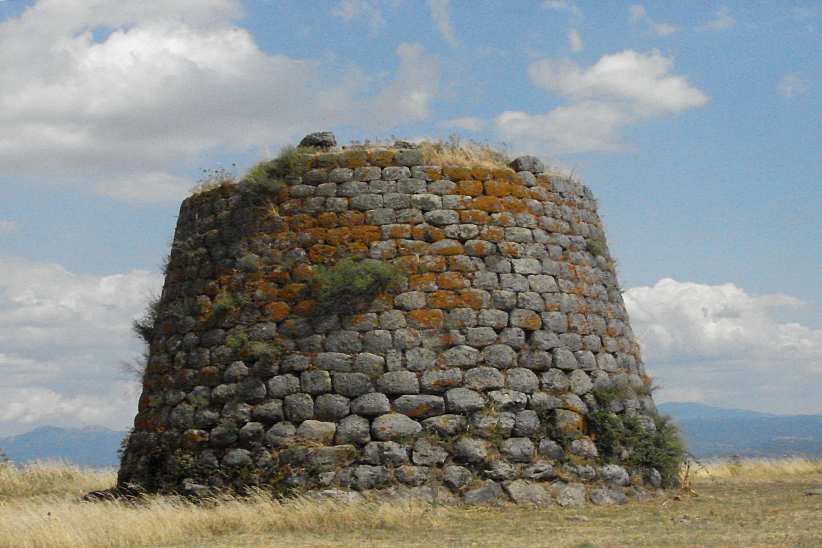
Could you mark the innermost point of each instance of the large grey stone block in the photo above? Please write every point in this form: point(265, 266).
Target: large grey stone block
point(394, 426)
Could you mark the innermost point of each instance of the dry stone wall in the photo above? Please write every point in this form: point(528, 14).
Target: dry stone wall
point(469, 381)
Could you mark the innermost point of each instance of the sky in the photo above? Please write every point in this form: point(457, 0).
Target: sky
point(695, 124)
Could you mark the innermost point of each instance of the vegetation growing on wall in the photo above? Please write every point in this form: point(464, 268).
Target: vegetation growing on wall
point(350, 284)
point(635, 440)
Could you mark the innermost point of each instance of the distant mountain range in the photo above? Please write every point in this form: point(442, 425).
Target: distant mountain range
point(712, 432)
point(91, 446)
point(709, 432)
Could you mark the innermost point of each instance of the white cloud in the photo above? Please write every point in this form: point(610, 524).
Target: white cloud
point(618, 90)
point(468, 123)
point(720, 345)
point(168, 84)
point(354, 9)
point(562, 5)
point(410, 93)
point(7, 228)
point(723, 20)
point(792, 84)
point(574, 40)
point(441, 16)
point(63, 337)
point(638, 13)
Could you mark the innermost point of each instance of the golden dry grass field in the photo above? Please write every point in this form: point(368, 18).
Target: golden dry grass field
point(756, 503)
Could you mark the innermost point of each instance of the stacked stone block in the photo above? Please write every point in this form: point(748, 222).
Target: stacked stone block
point(475, 375)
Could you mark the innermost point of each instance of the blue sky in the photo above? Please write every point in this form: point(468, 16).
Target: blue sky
point(695, 124)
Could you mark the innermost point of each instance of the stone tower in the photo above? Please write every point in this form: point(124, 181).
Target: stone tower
point(499, 359)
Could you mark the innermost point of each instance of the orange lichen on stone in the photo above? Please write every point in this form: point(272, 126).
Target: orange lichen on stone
point(513, 205)
point(510, 249)
point(428, 234)
point(338, 236)
point(479, 248)
point(353, 159)
point(351, 218)
point(451, 280)
point(380, 157)
point(475, 298)
point(457, 173)
point(292, 292)
point(322, 254)
point(526, 319)
point(444, 299)
point(491, 204)
point(276, 311)
point(447, 248)
point(481, 173)
point(432, 172)
point(327, 220)
point(469, 187)
point(303, 272)
point(422, 282)
point(425, 319)
point(492, 233)
point(519, 191)
point(357, 250)
point(301, 222)
point(497, 188)
point(472, 216)
point(365, 234)
point(397, 231)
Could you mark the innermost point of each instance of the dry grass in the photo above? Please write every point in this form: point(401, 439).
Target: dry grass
point(52, 479)
point(459, 154)
point(763, 503)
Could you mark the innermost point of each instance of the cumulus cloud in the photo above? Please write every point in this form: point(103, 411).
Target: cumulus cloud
point(574, 40)
point(96, 91)
point(355, 9)
point(722, 20)
point(63, 336)
point(562, 5)
point(639, 14)
point(618, 90)
point(722, 346)
point(441, 15)
point(792, 84)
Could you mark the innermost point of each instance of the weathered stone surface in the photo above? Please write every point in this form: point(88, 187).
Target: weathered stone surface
point(352, 385)
point(483, 378)
point(471, 450)
point(441, 380)
point(501, 470)
point(571, 495)
point(539, 471)
point(353, 429)
point(522, 492)
point(298, 408)
point(493, 424)
point(461, 356)
point(445, 425)
point(463, 400)
point(456, 477)
point(527, 163)
point(508, 400)
point(320, 139)
point(394, 426)
point(489, 491)
point(551, 450)
point(370, 477)
point(321, 432)
point(427, 453)
point(518, 449)
point(330, 458)
point(608, 496)
point(522, 380)
point(371, 405)
point(281, 433)
point(331, 407)
point(397, 383)
point(614, 474)
point(419, 406)
point(411, 475)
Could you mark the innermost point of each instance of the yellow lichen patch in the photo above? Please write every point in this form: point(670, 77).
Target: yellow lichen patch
point(425, 319)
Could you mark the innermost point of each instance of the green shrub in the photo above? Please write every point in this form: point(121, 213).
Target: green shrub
point(627, 440)
point(349, 284)
point(268, 177)
point(596, 247)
